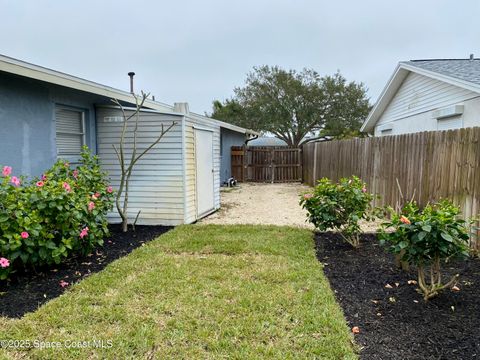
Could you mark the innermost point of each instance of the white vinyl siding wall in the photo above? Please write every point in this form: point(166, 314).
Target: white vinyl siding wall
point(156, 185)
point(410, 110)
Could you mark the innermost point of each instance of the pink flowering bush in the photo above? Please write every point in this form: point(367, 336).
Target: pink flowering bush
point(6, 171)
point(42, 222)
point(4, 268)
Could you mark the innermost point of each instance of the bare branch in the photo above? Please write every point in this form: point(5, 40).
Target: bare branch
point(116, 152)
point(126, 170)
point(162, 134)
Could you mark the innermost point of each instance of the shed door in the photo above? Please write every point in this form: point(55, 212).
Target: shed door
point(204, 163)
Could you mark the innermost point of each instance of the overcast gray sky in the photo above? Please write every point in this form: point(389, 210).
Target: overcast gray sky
point(197, 51)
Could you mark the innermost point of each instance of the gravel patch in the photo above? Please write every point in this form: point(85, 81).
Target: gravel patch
point(260, 204)
point(265, 204)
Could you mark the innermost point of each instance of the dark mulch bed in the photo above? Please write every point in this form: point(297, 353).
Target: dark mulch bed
point(396, 323)
point(26, 292)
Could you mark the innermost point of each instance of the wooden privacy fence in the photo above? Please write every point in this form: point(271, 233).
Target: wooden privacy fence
point(266, 164)
point(428, 166)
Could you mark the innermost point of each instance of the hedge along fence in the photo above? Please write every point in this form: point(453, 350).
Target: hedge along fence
point(428, 166)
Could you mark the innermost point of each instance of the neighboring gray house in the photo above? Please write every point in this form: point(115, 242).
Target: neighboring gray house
point(267, 141)
point(428, 95)
point(46, 115)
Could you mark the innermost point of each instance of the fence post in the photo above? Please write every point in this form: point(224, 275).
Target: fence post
point(314, 175)
point(272, 165)
point(300, 162)
point(244, 165)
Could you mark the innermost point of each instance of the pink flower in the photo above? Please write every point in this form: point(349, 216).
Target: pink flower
point(15, 181)
point(364, 189)
point(67, 187)
point(44, 177)
point(4, 262)
point(63, 283)
point(109, 189)
point(40, 183)
point(91, 206)
point(307, 196)
point(97, 195)
point(84, 232)
point(7, 170)
point(24, 235)
point(405, 220)
point(75, 173)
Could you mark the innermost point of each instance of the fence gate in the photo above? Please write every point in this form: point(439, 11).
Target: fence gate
point(266, 164)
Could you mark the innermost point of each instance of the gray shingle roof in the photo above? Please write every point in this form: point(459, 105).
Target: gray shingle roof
point(267, 141)
point(463, 69)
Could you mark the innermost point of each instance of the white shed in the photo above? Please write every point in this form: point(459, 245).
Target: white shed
point(178, 181)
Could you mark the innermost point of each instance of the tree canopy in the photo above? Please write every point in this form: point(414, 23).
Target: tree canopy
point(291, 104)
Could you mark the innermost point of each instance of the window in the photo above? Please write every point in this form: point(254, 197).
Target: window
point(454, 122)
point(449, 117)
point(70, 133)
point(385, 129)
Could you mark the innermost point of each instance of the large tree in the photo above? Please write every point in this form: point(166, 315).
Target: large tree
point(347, 106)
point(291, 104)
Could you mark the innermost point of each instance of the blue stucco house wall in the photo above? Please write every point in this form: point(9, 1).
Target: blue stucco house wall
point(228, 138)
point(27, 121)
point(37, 103)
point(46, 114)
point(27, 124)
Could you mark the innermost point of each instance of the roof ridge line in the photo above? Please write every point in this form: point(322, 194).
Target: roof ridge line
point(415, 60)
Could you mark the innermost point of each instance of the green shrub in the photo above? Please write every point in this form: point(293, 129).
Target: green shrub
point(339, 206)
point(47, 219)
point(427, 238)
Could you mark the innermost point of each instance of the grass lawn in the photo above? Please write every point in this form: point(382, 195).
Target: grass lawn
point(237, 292)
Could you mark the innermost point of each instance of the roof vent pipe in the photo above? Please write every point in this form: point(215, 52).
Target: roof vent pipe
point(471, 57)
point(131, 74)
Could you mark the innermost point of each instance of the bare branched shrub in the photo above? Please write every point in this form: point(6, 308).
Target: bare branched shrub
point(127, 162)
